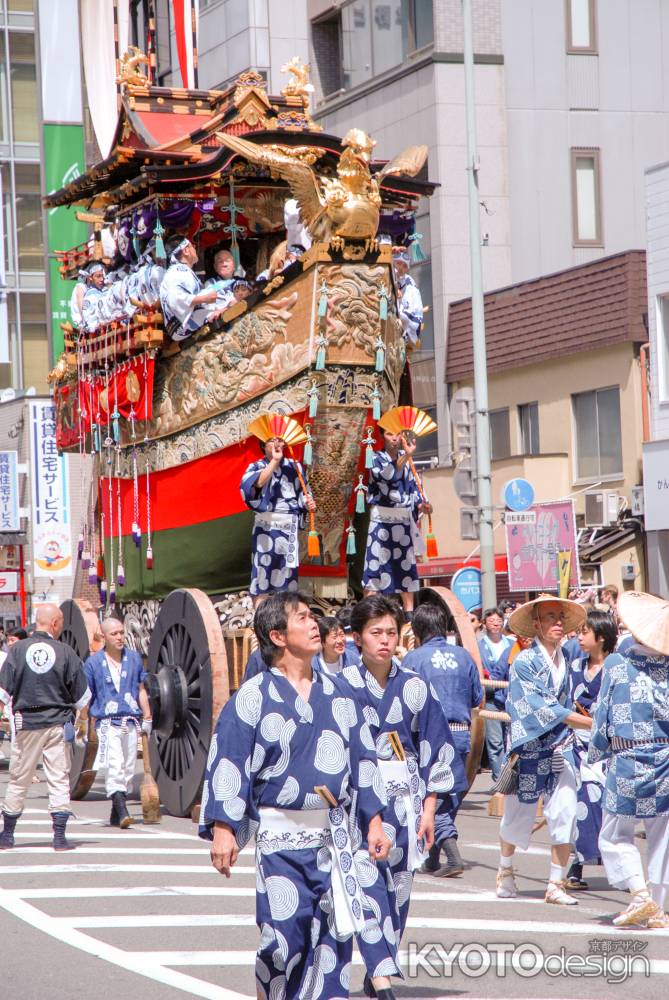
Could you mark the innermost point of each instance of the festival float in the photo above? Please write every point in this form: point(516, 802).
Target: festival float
point(166, 423)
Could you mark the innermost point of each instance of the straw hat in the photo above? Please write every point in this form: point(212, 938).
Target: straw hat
point(647, 618)
point(522, 621)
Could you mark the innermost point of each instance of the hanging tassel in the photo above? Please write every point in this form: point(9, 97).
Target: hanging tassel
point(360, 491)
point(313, 399)
point(380, 354)
point(112, 594)
point(149, 558)
point(431, 542)
point(116, 426)
point(96, 438)
point(416, 249)
point(136, 534)
point(120, 575)
point(369, 448)
point(85, 559)
point(158, 232)
point(376, 403)
point(100, 568)
point(135, 240)
point(323, 302)
point(383, 304)
point(80, 546)
point(313, 545)
point(308, 456)
point(320, 354)
point(92, 573)
point(102, 590)
point(350, 540)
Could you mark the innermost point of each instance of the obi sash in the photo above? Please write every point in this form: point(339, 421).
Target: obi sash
point(288, 525)
point(401, 780)
point(399, 515)
point(300, 828)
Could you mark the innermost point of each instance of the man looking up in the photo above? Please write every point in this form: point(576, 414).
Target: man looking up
point(47, 685)
point(186, 307)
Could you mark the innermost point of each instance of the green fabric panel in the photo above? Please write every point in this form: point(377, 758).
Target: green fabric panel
point(214, 556)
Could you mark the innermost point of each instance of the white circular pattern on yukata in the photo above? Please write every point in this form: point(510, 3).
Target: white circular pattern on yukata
point(248, 704)
point(40, 657)
point(415, 694)
point(283, 896)
point(330, 753)
point(226, 781)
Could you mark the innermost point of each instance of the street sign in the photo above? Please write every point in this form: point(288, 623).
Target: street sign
point(532, 549)
point(520, 517)
point(466, 585)
point(518, 494)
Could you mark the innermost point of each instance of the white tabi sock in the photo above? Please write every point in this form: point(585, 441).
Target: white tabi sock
point(505, 862)
point(557, 873)
point(637, 884)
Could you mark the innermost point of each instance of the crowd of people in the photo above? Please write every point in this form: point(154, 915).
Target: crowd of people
point(168, 277)
point(344, 757)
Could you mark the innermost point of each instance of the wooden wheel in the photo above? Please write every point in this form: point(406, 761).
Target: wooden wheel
point(75, 634)
point(445, 597)
point(188, 686)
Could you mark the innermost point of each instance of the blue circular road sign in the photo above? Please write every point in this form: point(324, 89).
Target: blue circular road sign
point(518, 494)
point(466, 585)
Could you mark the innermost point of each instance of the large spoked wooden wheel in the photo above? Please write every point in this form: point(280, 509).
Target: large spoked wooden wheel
point(75, 634)
point(188, 685)
point(445, 597)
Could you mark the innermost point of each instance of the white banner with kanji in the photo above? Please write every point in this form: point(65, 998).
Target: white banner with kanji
point(51, 535)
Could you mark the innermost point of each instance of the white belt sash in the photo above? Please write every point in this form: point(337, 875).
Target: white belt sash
point(102, 756)
point(327, 828)
point(288, 524)
point(400, 515)
point(401, 780)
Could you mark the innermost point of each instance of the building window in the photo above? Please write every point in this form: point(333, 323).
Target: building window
point(581, 26)
point(586, 198)
point(528, 421)
point(25, 112)
point(29, 217)
point(500, 434)
point(597, 433)
point(34, 341)
point(366, 38)
point(662, 314)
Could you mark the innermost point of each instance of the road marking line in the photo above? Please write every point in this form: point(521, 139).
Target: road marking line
point(137, 962)
point(161, 920)
point(541, 851)
point(90, 836)
point(177, 851)
point(75, 869)
point(137, 891)
point(528, 926)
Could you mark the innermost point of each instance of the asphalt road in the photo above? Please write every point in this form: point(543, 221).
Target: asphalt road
point(142, 912)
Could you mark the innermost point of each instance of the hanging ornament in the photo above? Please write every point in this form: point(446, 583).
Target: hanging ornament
point(135, 239)
point(416, 249)
point(380, 354)
point(350, 539)
point(120, 575)
point(320, 353)
point(132, 418)
point(80, 546)
point(312, 395)
point(85, 559)
point(112, 594)
point(431, 549)
point(102, 590)
point(383, 303)
point(100, 569)
point(149, 557)
point(369, 442)
point(149, 548)
point(323, 302)
point(158, 233)
point(360, 495)
point(233, 228)
point(95, 443)
point(136, 530)
point(308, 456)
point(376, 402)
point(116, 426)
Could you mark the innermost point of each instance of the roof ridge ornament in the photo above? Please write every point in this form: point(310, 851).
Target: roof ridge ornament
point(129, 72)
point(299, 85)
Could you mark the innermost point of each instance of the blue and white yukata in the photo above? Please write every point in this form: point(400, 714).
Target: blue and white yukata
point(90, 309)
point(409, 707)
point(410, 308)
point(495, 729)
point(270, 751)
point(345, 660)
point(177, 291)
point(394, 539)
point(538, 701)
point(115, 708)
point(589, 808)
point(224, 293)
point(279, 507)
point(630, 729)
point(455, 677)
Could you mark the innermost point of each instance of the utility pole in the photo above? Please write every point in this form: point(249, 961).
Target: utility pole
point(483, 473)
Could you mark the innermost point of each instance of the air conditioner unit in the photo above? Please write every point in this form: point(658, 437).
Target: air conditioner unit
point(601, 508)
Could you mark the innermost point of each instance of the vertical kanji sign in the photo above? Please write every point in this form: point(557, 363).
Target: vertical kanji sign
point(52, 541)
point(9, 491)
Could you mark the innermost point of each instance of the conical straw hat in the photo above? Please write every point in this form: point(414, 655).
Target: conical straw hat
point(647, 618)
point(522, 620)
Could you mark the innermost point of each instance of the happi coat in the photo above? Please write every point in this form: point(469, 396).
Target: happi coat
point(269, 752)
point(279, 508)
point(630, 730)
point(393, 539)
point(589, 806)
point(538, 733)
point(409, 707)
point(179, 287)
point(410, 308)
